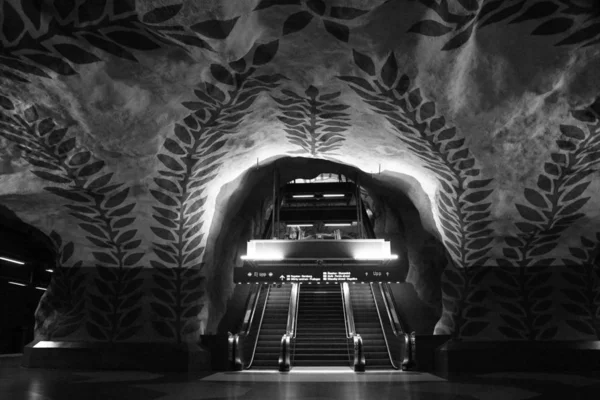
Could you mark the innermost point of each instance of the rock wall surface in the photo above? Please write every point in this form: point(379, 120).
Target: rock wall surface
point(121, 121)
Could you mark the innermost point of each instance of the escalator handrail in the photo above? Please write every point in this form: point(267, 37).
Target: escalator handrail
point(262, 315)
point(349, 315)
point(395, 322)
point(249, 316)
point(292, 311)
point(357, 343)
point(290, 333)
point(382, 328)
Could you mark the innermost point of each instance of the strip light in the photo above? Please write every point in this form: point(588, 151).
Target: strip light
point(375, 257)
point(301, 225)
point(40, 288)
point(12, 261)
point(17, 283)
point(333, 195)
point(340, 224)
point(273, 257)
point(303, 196)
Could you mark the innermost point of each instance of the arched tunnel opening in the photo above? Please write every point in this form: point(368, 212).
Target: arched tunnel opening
point(396, 207)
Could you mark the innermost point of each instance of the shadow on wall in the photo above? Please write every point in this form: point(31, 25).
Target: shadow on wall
point(241, 203)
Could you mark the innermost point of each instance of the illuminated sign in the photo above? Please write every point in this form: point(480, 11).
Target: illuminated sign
point(316, 274)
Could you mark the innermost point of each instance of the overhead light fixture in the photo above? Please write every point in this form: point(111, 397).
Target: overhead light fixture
point(370, 257)
point(301, 225)
point(303, 196)
point(340, 224)
point(263, 257)
point(17, 283)
point(12, 261)
point(50, 270)
point(40, 288)
point(334, 195)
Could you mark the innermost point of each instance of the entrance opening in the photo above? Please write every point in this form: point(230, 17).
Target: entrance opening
point(335, 308)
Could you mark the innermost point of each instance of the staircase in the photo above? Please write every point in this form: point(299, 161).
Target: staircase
point(321, 331)
point(273, 327)
point(366, 322)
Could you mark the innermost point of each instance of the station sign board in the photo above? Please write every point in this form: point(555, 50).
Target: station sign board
point(315, 274)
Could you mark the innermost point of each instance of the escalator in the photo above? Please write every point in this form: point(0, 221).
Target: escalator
point(369, 326)
point(321, 328)
point(272, 327)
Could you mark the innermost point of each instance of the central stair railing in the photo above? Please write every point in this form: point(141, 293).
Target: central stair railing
point(243, 344)
point(407, 342)
point(354, 339)
point(288, 338)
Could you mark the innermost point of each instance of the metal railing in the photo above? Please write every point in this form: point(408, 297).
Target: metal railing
point(354, 338)
point(399, 331)
point(383, 330)
point(289, 336)
point(239, 343)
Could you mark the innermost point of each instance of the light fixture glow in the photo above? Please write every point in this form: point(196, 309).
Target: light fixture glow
point(50, 270)
point(301, 225)
point(263, 257)
point(40, 288)
point(16, 283)
point(375, 256)
point(340, 224)
point(303, 196)
point(12, 261)
point(333, 195)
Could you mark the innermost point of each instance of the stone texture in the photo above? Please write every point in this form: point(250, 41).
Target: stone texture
point(123, 125)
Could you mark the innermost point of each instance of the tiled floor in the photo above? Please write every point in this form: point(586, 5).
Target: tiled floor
point(309, 384)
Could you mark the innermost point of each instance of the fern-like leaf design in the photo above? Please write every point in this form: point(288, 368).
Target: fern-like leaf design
point(191, 159)
point(99, 205)
point(314, 122)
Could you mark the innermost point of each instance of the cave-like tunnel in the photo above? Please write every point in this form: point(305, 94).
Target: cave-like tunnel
point(146, 146)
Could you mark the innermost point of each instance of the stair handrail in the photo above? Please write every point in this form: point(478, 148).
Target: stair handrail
point(262, 315)
point(359, 355)
point(290, 333)
point(235, 340)
point(391, 310)
point(399, 330)
point(387, 345)
point(250, 310)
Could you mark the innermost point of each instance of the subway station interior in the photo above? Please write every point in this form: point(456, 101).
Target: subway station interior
point(299, 199)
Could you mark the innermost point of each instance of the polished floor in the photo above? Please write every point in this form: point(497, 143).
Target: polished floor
point(302, 383)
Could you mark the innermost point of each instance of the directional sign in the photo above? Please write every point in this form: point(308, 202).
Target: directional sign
point(316, 274)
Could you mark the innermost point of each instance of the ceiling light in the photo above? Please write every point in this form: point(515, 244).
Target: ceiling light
point(50, 270)
point(340, 224)
point(334, 195)
point(303, 196)
point(375, 256)
point(12, 261)
point(263, 257)
point(300, 225)
point(16, 283)
point(40, 288)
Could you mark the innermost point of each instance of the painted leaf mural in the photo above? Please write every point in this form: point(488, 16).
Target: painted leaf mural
point(315, 122)
point(552, 18)
point(103, 212)
point(102, 29)
point(190, 159)
point(66, 295)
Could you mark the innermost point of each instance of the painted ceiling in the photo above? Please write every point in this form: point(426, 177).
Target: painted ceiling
point(121, 120)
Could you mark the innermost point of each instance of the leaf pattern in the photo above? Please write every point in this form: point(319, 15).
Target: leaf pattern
point(315, 122)
point(463, 205)
point(114, 29)
point(61, 310)
point(552, 18)
point(191, 158)
point(56, 158)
